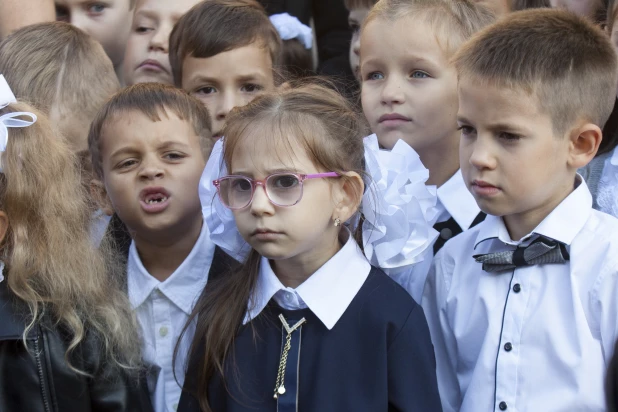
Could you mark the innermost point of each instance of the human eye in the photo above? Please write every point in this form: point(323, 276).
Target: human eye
point(240, 184)
point(126, 164)
point(205, 90)
point(96, 9)
point(509, 137)
point(284, 182)
point(354, 26)
point(251, 88)
point(375, 76)
point(466, 130)
point(174, 156)
point(143, 28)
point(419, 74)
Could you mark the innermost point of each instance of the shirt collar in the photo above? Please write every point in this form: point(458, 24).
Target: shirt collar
point(183, 286)
point(327, 293)
point(614, 157)
point(562, 224)
point(458, 201)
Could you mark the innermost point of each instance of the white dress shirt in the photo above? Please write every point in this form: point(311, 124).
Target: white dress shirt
point(327, 293)
point(538, 338)
point(607, 192)
point(162, 309)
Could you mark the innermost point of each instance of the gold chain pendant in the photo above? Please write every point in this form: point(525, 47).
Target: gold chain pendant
point(279, 387)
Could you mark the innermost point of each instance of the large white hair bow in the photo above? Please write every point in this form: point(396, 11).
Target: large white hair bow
point(10, 119)
point(289, 27)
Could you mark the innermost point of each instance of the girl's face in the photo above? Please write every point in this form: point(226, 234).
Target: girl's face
point(614, 38)
point(301, 234)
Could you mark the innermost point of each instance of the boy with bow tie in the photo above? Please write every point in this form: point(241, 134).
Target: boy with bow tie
point(523, 308)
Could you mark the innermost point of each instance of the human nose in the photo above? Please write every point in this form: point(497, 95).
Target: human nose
point(392, 92)
point(227, 102)
point(356, 45)
point(261, 204)
point(481, 156)
point(150, 169)
point(160, 39)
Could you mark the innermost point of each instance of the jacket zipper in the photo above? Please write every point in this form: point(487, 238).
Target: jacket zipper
point(39, 365)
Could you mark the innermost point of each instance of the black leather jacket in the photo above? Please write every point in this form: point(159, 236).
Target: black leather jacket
point(39, 379)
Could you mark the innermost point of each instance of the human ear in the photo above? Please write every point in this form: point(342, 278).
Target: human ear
point(348, 193)
point(4, 226)
point(584, 144)
point(100, 197)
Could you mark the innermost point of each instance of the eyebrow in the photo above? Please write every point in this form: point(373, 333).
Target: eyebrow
point(270, 172)
point(127, 150)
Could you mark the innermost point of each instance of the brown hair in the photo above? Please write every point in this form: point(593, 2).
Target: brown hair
point(572, 67)
point(311, 118)
point(61, 71)
point(296, 60)
point(153, 100)
point(359, 4)
point(453, 21)
point(213, 26)
point(52, 264)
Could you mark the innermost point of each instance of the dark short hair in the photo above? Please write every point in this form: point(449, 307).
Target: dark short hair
point(153, 100)
point(564, 59)
point(216, 26)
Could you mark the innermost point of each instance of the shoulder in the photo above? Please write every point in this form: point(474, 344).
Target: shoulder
point(382, 301)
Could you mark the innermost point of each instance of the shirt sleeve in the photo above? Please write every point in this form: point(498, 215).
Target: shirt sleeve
point(412, 384)
point(604, 307)
point(445, 347)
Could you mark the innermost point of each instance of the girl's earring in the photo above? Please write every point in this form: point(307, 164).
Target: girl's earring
point(337, 222)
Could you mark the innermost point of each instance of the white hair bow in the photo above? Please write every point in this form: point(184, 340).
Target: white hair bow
point(10, 119)
point(289, 27)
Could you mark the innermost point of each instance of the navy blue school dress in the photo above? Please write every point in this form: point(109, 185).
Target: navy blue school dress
point(358, 343)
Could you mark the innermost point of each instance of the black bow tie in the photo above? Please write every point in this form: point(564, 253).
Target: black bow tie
point(541, 251)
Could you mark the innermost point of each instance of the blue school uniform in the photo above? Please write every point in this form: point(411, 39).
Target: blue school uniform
point(357, 342)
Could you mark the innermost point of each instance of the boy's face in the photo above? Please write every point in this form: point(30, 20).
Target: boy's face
point(151, 173)
point(227, 80)
point(146, 58)
point(108, 22)
point(409, 90)
point(614, 37)
point(355, 20)
point(511, 160)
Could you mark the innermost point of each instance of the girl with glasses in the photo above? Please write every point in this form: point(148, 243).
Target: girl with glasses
point(306, 323)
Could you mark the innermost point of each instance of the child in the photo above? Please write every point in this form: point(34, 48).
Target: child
point(146, 58)
point(522, 308)
point(67, 336)
point(295, 159)
point(358, 11)
point(63, 72)
point(149, 145)
point(223, 66)
point(409, 92)
point(601, 174)
point(108, 22)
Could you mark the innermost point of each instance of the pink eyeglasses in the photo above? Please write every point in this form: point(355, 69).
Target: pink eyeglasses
point(282, 189)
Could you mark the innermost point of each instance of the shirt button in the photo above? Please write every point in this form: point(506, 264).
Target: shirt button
point(502, 406)
point(163, 331)
point(508, 347)
point(446, 233)
point(517, 288)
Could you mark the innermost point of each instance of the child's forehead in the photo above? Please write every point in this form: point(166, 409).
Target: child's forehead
point(252, 61)
point(164, 8)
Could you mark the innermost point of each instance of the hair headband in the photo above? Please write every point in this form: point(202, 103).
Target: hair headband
point(10, 119)
point(398, 207)
point(289, 27)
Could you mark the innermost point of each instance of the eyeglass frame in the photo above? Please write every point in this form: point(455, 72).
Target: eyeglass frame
point(255, 182)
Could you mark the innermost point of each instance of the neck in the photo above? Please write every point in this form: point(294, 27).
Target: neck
point(294, 271)
point(442, 162)
point(162, 256)
point(520, 224)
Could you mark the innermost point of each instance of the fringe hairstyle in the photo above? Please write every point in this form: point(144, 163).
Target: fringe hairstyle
point(52, 264)
point(312, 118)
